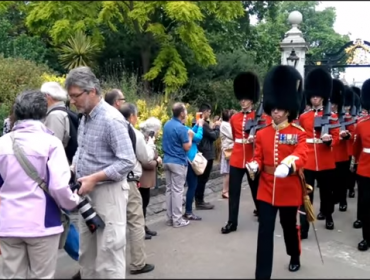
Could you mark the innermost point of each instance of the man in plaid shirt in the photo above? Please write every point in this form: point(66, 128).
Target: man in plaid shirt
point(103, 159)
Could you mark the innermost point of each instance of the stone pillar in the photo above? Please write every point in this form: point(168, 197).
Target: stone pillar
point(294, 40)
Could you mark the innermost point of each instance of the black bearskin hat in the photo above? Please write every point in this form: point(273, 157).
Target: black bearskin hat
point(337, 94)
point(303, 104)
point(356, 90)
point(318, 83)
point(247, 86)
point(365, 95)
point(282, 89)
point(357, 103)
point(349, 97)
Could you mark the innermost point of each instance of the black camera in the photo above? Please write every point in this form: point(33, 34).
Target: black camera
point(92, 219)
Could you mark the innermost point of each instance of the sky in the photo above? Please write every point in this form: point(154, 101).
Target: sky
point(353, 19)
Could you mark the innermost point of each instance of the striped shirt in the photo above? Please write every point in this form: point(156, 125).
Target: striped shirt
point(104, 144)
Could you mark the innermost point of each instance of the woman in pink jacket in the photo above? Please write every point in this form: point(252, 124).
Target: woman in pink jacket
point(30, 220)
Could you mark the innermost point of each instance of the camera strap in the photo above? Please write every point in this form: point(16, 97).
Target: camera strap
point(27, 165)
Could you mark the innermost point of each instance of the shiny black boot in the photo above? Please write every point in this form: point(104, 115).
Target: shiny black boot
point(230, 227)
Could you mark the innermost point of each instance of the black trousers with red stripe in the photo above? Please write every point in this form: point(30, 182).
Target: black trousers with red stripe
point(266, 228)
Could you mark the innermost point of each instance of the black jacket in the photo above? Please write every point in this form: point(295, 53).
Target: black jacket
point(206, 146)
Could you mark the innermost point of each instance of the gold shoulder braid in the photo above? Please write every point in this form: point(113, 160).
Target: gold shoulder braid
point(298, 126)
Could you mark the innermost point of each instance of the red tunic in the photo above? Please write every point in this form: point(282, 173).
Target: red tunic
point(361, 147)
point(242, 151)
point(341, 151)
point(270, 152)
point(320, 156)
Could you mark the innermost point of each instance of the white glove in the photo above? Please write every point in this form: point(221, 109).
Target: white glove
point(252, 166)
point(281, 171)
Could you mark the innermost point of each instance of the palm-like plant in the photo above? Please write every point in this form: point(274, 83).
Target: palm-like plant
point(79, 50)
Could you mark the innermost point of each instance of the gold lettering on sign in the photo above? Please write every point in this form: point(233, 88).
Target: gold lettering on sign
point(358, 53)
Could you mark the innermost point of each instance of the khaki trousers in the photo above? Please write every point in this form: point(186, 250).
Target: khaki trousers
point(102, 254)
point(136, 227)
point(29, 258)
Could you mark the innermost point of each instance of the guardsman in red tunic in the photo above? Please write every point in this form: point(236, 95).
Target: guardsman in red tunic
point(247, 91)
point(352, 177)
point(361, 152)
point(342, 98)
point(281, 151)
point(320, 164)
point(362, 115)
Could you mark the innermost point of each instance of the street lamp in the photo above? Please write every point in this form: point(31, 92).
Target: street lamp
point(292, 59)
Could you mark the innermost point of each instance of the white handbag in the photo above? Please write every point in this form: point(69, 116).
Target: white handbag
point(198, 164)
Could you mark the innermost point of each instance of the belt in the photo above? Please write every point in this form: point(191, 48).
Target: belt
point(314, 141)
point(366, 150)
point(269, 169)
point(241, 141)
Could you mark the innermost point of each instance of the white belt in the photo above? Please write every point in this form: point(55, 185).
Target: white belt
point(366, 150)
point(313, 141)
point(241, 141)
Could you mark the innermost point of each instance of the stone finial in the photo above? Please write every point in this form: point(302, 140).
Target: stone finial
point(295, 18)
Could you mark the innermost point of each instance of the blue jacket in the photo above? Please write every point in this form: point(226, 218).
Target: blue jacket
point(198, 135)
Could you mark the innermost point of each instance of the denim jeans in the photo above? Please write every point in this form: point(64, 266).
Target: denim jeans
point(192, 182)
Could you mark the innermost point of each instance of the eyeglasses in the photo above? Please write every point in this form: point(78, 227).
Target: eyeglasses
point(74, 97)
point(121, 99)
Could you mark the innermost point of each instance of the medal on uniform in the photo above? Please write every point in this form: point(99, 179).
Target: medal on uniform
point(283, 140)
point(289, 139)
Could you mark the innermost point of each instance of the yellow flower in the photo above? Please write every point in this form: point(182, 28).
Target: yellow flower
point(52, 78)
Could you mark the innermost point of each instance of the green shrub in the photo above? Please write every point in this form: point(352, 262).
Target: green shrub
point(17, 75)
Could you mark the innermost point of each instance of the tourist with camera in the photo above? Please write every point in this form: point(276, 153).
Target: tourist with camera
point(101, 164)
point(34, 178)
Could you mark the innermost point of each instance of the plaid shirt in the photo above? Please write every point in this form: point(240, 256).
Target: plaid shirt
point(104, 144)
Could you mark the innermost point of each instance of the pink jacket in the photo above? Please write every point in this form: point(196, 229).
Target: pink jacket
point(26, 210)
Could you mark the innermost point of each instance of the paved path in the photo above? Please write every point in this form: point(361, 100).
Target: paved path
point(201, 251)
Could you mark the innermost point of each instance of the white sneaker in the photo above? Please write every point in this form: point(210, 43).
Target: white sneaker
point(182, 223)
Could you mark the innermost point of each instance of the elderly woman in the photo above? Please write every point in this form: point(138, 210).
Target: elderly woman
point(227, 144)
point(30, 218)
point(150, 128)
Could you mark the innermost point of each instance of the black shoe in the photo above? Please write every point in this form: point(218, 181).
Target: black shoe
point(230, 227)
point(147, 236)
point(150, 232)
point(363, 246)
point(294, 264)
point(357, 224)
point(320, 216)
point(329, 223)
point(255, 212)
point(204, 205)
point(304, 235)
point(342, 207)
point(351, 194)
point(147, 268)
point(77, 276)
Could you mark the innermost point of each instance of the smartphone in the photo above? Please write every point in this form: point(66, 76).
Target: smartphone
point(151, 134)
point(198, 116)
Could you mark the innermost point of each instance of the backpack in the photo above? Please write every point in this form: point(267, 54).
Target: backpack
point(74, 121)
point(132, 134)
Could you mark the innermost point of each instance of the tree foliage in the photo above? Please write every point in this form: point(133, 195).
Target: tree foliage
point(78, 51)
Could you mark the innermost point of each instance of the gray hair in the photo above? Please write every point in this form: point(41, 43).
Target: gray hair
point(83, 78)
point(30, 105)
point(55, 91)
point(151, 124)
point(128, 109)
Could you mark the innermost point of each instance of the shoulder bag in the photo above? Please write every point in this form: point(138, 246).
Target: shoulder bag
point(198, 164)
point(32, 173)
